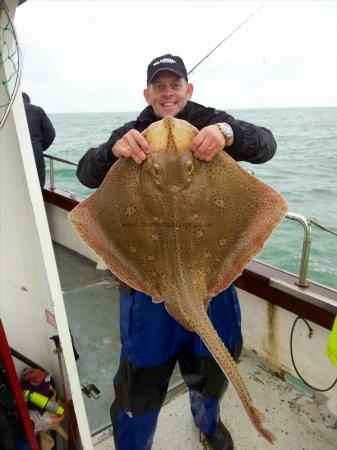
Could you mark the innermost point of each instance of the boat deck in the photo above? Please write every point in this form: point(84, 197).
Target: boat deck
point(91, 301)
point(299, 421)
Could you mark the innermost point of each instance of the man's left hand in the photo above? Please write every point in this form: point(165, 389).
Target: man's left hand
point(207, 143)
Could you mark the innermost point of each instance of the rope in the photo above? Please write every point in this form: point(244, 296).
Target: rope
point(321, 227)
point(10, 63)
point(293, 361)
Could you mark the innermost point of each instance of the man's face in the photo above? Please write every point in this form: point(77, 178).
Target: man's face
point(168, 94)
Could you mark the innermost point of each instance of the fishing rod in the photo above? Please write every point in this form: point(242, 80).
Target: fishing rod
point(227, 37)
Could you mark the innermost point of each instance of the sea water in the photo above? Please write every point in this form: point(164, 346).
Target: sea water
point(303, 170)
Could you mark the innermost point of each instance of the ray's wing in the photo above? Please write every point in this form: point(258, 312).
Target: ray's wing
point(225, 218)
point(114, 223)
point(241, 214)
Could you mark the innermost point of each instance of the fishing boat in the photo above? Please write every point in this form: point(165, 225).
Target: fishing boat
point(52, 284)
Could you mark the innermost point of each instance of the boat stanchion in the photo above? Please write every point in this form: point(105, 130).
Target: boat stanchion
point(51, 175)
point(302, 280)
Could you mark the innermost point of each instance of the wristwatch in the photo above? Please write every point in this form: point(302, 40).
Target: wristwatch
point(227, 132)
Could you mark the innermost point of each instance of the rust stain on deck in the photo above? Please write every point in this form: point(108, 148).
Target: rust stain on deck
point(272, 344)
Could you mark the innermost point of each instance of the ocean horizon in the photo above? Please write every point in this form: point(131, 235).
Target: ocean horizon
point(135, 112)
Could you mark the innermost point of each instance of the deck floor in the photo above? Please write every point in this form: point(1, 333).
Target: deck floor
point(92, 305)
point(300, 422)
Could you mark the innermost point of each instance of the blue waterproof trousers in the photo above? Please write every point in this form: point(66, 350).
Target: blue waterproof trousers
point(152, 343)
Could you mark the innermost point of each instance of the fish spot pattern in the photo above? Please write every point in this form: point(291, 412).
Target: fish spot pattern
point(182, 230)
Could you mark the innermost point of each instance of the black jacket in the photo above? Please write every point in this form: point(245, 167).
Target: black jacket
point(251, 143)
point(42, 134)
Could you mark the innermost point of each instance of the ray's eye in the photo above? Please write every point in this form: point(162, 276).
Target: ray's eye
point(156, 169)
point(189, 167)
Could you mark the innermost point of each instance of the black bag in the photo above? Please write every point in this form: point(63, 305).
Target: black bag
point(10, 424)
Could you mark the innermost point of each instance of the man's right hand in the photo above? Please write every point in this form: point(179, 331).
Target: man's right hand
point(132, 145)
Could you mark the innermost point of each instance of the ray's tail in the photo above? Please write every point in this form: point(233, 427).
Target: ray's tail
point(205, 330)
point(214, 344)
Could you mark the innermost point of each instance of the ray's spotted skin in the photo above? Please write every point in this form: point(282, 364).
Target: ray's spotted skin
point(182, 230)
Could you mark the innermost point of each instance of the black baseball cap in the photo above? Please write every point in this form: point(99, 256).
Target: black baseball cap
point(166, 62)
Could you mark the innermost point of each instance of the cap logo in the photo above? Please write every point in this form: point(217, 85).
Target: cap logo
point(165, 60)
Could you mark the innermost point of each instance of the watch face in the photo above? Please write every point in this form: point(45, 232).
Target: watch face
point(226, 129)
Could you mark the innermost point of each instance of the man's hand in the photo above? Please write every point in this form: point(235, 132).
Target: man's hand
point(132, 145)
point(207, 143)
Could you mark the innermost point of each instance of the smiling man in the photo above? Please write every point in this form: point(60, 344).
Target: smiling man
point(168, 91)
point(152, 341)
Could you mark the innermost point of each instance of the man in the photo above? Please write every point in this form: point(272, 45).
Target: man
point(152, 341)
point(42, 134)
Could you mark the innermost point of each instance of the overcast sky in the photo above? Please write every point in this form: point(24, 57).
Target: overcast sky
point(91, 56)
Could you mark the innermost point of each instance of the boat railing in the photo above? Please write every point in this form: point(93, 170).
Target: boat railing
point(51, 168)
point(306, 223)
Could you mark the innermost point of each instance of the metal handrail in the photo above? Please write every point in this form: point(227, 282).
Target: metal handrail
point(306, 223)
point(56, 158)
point(302, 281)
point(51, 168)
